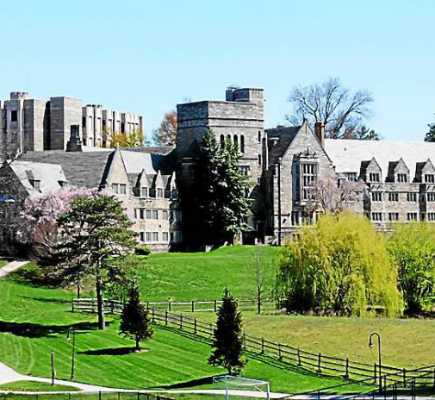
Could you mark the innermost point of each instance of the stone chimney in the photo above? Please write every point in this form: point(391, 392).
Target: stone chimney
point(74, 143)
point(319, 131)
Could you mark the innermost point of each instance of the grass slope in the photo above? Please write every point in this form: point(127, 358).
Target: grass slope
point(204, 276)
point(27, 386)
point(34, 320)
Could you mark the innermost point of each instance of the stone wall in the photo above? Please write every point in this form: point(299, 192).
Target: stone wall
point(64, 112)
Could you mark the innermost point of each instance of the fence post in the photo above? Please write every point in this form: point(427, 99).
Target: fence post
point(404, 377)
point(262, 345)
point(72, 306)
point(169, 305)
point(434, 377)
point(346, 374)
point(153, 316)
point(112, 306)
point(244, 340)
point(99, 395)
point(319, 369)
point(166, 318)
point(375, 374)
point(193, 306)
point(194, 326)
point(211, 330)
point(299, 357)
point(279, 352)
point(181, 322)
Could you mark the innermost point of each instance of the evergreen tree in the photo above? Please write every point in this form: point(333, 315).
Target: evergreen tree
point(98, 226)
point(430, 136)
point(216, 204)
point(135, 321)
point(227, 342)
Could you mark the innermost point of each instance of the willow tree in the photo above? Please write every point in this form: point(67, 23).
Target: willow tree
point(341, 265)
point(413, 249)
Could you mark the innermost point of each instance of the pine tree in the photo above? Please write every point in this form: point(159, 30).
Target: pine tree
point(227, 342)
point(216, 204)
point(135, 321)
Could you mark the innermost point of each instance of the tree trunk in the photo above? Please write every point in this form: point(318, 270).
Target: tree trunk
point(259, 300)
point(100, 302)
point(78, 290)
point(137, 343)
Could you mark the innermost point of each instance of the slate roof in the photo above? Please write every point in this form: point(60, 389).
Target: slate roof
point(80, 168)
point(347, 154)
point(285, 136)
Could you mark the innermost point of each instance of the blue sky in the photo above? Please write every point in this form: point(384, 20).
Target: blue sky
point(146, 56)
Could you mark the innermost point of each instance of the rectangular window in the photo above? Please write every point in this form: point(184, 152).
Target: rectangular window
point(352, 176)
point(172, 236)
point(155, 236)
point(142, 236)
point(160, 193)
point(376, 216)
point(14, 116)
point(393, 216)
point(429, 178)
point(411, 197)
point(431, 216)
point(376, 196)
point(431, 197)
point(309, 177)
point(148, 236)
point(148, 214)
point(122, 188)
point(244, 170)
point(165, 237)
point(155, 214)
point(393, 196)
point(259, 159)
point(144, 192)
point(36, 184)
point(374, 177)
point(115, 188)
point(136, 213)
point(142, 214)
point(402, 178)
point(412, 216)
point(165, 215)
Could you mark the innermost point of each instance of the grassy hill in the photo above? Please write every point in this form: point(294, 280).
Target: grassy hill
point(204, 276)
point(35, 319)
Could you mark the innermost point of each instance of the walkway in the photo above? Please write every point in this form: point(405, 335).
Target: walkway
point(11, 267)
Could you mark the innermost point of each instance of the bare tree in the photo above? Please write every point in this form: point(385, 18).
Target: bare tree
point(333, 196)
point(336, 106)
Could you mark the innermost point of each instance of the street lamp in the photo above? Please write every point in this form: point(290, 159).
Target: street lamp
point(380, 356)
point(72, 333)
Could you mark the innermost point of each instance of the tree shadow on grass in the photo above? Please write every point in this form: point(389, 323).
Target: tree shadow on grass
point(31, 330)
point(48, 300)
point(117, 351)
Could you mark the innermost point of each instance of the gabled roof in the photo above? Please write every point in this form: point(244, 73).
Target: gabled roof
point(285, 136)
point(347, 154)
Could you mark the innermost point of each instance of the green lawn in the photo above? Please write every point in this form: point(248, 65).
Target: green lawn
point(34, 320)
point(204, 276)
point(28, 386)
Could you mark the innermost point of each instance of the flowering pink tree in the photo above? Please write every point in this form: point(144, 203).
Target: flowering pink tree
point(333, 196)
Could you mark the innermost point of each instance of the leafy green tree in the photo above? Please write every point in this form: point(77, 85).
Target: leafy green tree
point(430, 136)
point(135, 321)
point(413, 248)
point(99, 228)
point(227, 341)
point(216, 204)
point(341, 265)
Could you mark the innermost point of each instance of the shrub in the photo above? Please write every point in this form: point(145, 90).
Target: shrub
point(341, 265)
point(142, 251)
point(413, 249)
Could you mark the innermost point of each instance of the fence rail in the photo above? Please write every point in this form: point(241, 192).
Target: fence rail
point(315, 362)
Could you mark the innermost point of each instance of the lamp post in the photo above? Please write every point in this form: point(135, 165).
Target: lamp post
point(72, 333)
point(380, 356)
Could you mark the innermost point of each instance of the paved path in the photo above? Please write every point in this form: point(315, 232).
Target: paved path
point(11, 267)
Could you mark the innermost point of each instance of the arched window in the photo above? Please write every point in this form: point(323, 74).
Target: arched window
point(259, 136)
point(222, 140)
point(242, 143)
point(229, 137)
point(236, 140)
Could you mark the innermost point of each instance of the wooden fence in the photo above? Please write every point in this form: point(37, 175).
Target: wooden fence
point(175, 306)
point(314, 362)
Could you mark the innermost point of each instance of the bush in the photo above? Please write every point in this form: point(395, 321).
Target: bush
point(413, 249)
point(341, 265)
point(142, 251)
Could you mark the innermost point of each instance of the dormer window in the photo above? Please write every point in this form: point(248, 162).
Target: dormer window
point(122, 188)
point(115, 188)
point(36, 184)
point(429, 178)
point(374, 177)
point(144, 191)
point(352, 176)
point(403, 178)
point(160, 194)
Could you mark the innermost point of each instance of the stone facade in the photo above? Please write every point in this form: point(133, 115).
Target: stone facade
point(37, 125)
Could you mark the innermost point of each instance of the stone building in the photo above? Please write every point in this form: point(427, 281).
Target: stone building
point(282, 164)
point(37, 125)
